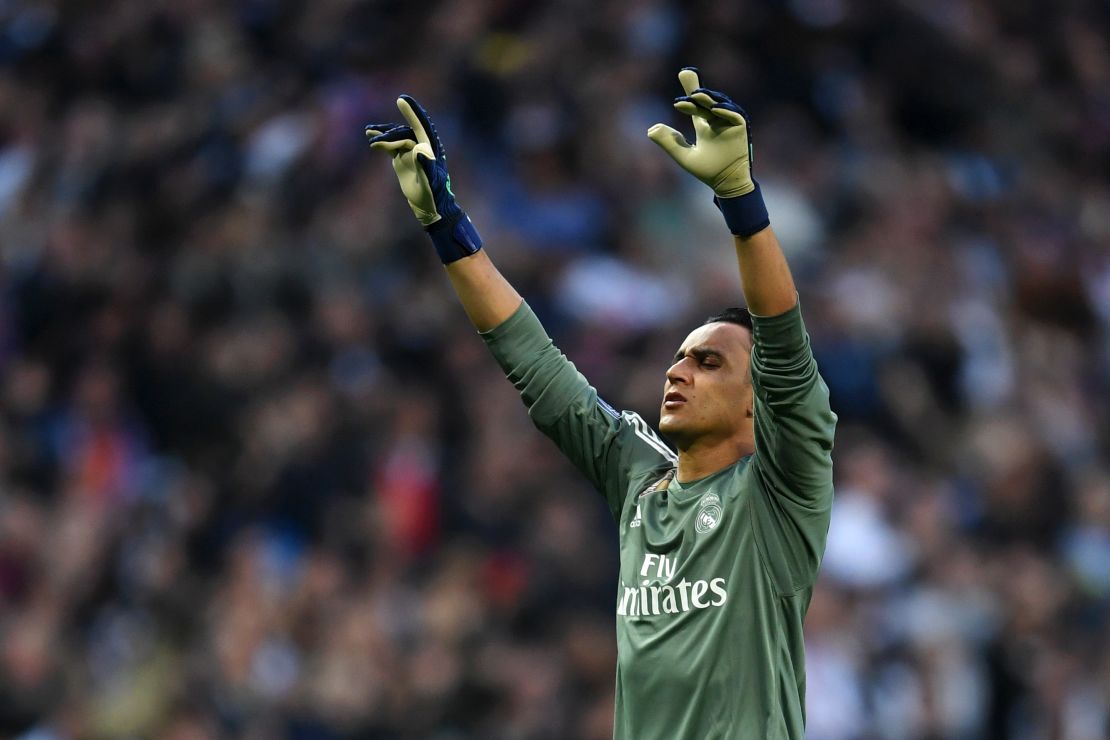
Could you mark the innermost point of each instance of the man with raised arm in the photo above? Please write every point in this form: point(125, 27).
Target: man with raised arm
point(721, 543)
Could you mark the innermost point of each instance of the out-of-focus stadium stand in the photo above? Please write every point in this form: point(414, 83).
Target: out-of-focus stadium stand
point(259, 479)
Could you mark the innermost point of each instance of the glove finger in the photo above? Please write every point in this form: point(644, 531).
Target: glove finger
point(413, 120)
point(701, 117)
point(717, 95)
point(396, 133)
point(731, 114)
point(381, 128)
point(426, 158)
point(719, 114)
point(688, 78)
point(421, 123)
point(717, 101)
point(670, 141)
point(688, 107)
point(393, 147)
point(728, 113)
point(702, 100)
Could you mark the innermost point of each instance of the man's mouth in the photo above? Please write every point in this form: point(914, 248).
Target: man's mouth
point(673, 400)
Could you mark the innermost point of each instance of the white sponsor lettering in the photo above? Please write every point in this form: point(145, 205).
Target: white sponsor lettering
point(628, 603)
point(699, 589)
point(662, 597)
point(718, 586)
point(668, 601)
point(663, 567)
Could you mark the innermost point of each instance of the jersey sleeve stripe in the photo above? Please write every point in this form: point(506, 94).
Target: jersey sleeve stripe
point(644, 432)
point(607, 408)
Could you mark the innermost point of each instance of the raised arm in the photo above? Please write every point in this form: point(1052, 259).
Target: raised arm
point(421, 166)
point(764, 275)
point(616, 451)
point(722, 159)
point(486, 296)
point(793, 421)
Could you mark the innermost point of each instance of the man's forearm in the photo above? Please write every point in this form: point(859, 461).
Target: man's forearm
point(721, 157)
point(485, 294)
point(765, 276)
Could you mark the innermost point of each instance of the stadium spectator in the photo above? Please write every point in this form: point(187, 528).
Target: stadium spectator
point(232, 498)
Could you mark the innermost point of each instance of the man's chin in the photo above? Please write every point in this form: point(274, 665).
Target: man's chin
point(669, 426)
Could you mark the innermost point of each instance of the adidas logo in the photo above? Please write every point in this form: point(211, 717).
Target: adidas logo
point(636, 519)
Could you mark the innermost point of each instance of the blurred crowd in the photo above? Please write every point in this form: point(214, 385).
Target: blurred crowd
point(259, 479)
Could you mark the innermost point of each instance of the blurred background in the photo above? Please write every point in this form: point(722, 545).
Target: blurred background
point(259, 478)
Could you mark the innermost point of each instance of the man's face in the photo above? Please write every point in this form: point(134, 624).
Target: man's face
point(708, 393)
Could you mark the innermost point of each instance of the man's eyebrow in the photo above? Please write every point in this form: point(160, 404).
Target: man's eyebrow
point(699, 353)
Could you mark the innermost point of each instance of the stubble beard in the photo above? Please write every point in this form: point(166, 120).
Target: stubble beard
point(672, 430)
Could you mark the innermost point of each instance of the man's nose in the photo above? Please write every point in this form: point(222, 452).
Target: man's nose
point(679, 372)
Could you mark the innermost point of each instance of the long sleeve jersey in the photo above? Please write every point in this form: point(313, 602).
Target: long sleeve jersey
point(716, 574)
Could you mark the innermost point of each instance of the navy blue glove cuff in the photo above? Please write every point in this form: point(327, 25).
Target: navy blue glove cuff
point(454, 237)
point(745, 215)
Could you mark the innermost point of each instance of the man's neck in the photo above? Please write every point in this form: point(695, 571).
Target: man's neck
point(698, 461)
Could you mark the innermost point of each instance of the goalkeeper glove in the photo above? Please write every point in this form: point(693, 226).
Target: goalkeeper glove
point(421, 166)
point(721, 156)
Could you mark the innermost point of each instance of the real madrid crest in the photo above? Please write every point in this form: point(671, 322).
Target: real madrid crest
point(709, 513)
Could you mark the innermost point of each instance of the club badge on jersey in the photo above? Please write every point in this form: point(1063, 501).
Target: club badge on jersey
point(709, 513)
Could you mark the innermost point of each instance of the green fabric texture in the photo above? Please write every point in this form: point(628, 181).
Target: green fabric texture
point(716, 575)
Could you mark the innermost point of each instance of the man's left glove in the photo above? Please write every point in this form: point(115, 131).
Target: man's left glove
point(421, 166)
point(721, 155)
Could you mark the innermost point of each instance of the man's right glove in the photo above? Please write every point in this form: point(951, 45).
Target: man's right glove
point(421, 166)
point(721, 156)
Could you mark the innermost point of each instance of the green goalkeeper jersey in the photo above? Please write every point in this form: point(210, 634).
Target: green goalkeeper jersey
point(715, 574)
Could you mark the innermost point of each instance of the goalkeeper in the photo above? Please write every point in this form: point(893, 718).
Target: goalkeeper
point(720, 543)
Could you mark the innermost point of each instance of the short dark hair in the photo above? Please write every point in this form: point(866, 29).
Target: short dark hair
point(732, 315)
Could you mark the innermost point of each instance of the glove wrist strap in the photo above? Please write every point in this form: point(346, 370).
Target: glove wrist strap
point(454, 237)
point(745, 215)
